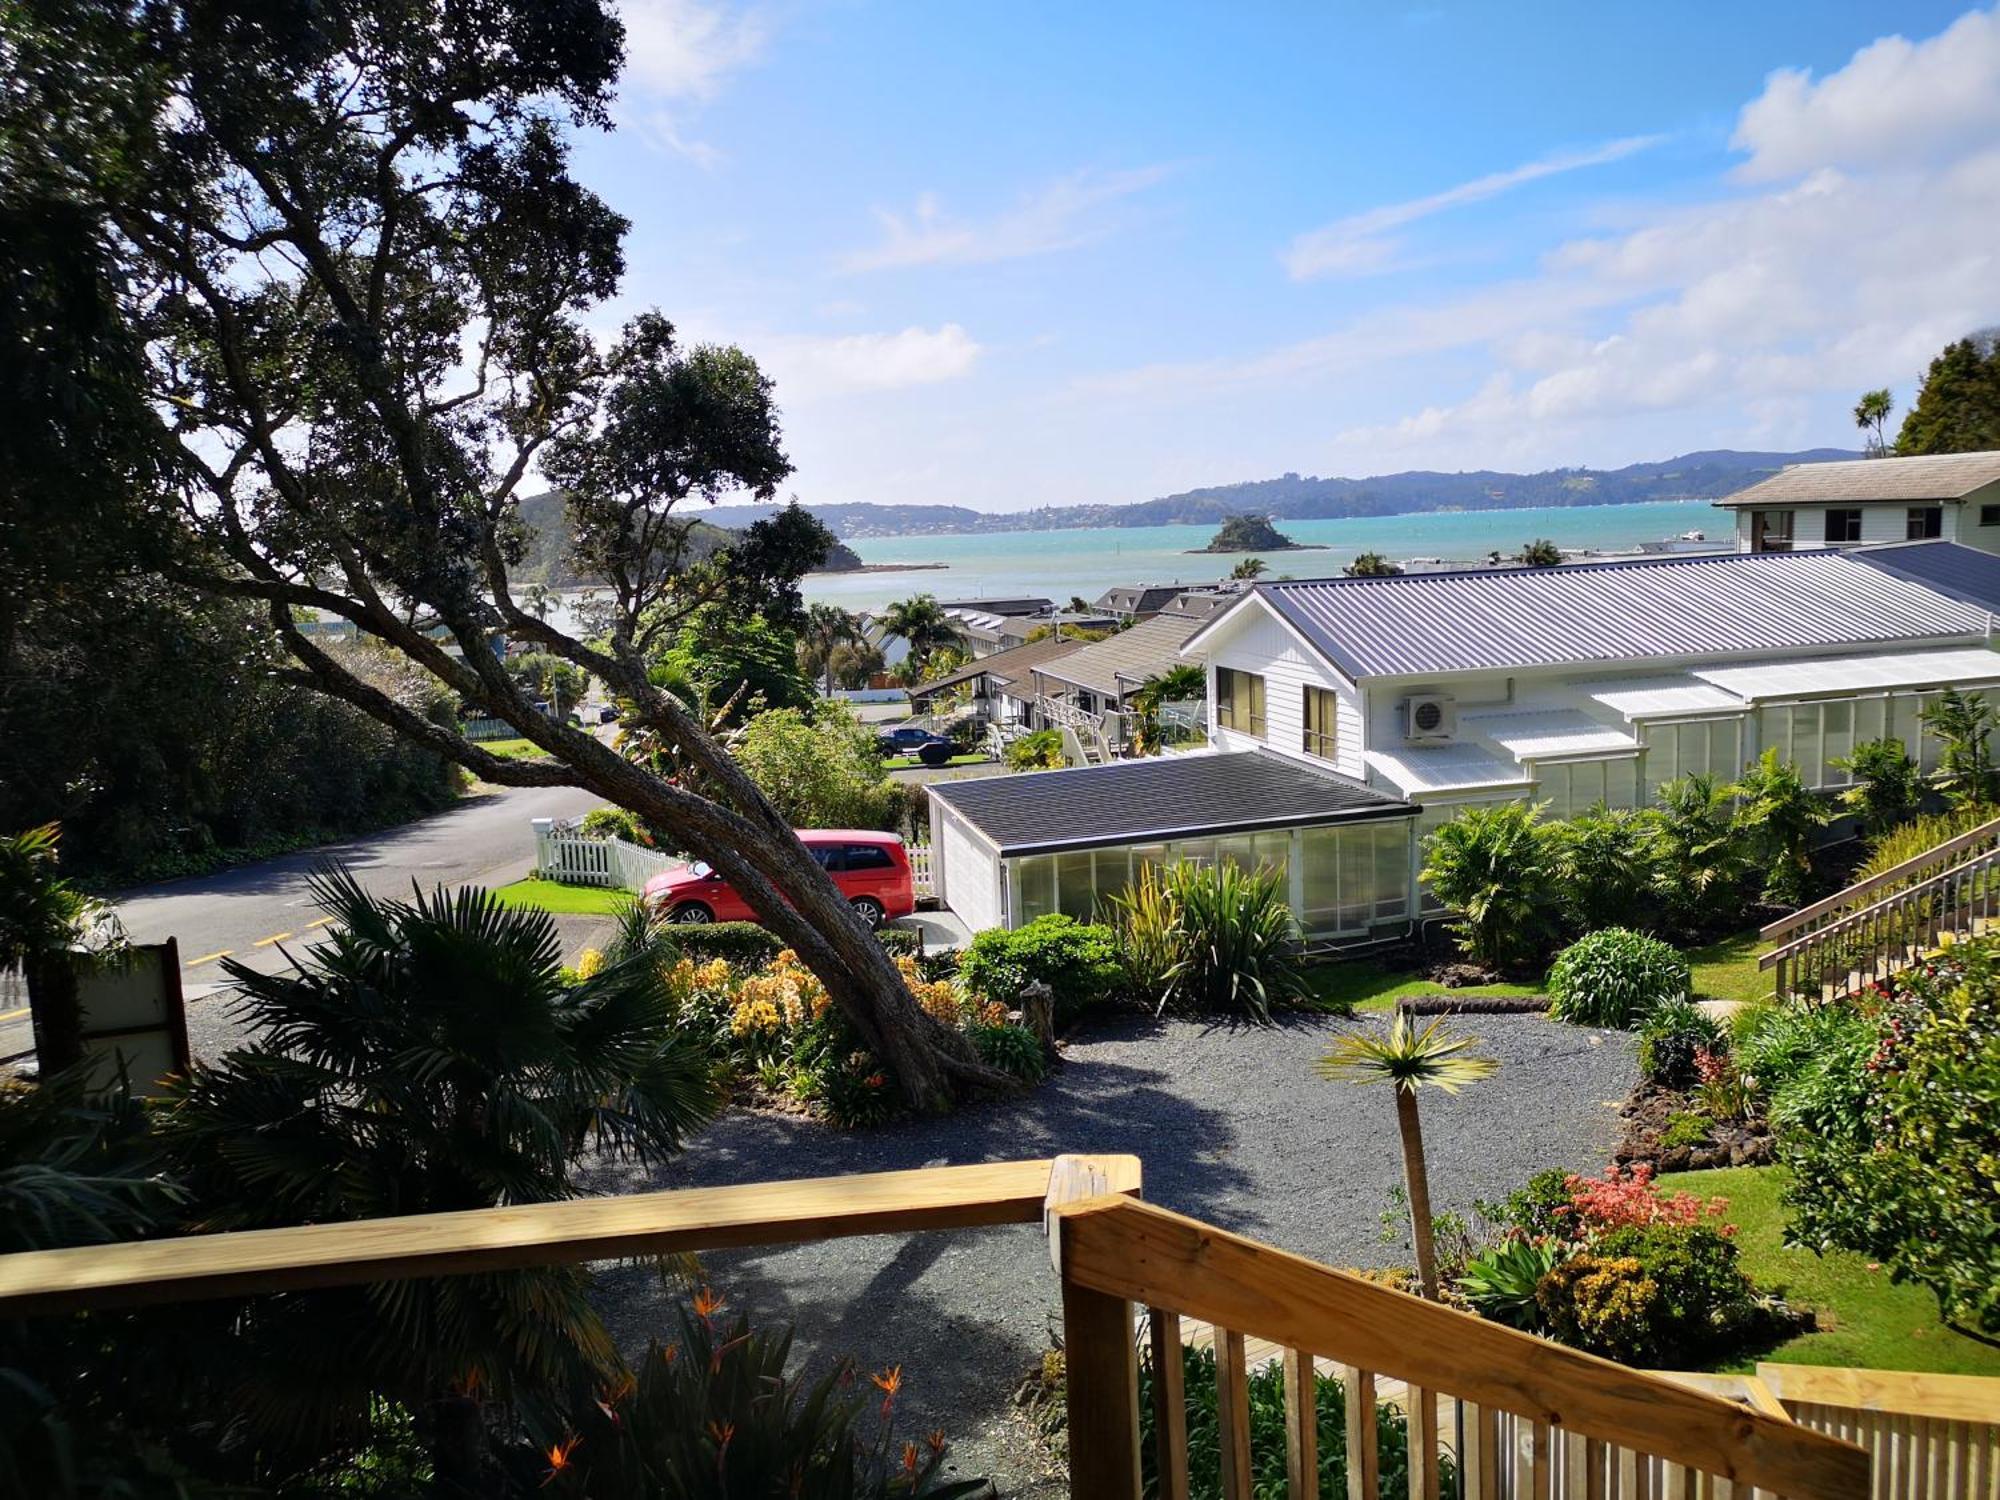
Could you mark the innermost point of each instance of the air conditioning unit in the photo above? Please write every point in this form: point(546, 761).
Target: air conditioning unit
point(1429, 718)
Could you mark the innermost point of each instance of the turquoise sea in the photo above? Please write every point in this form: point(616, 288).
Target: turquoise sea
point(1057, 564)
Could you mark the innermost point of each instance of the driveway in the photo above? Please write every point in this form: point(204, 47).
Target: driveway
point(1233, 1127)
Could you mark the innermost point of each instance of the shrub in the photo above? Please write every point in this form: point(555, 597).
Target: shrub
point(614, 823)
point(1491, 866)
point(900, 942)
point(1662, 1295)
point(1239, 955)
point(1539, 1208)
point(1604, 868)
point(1038, 750)
point(1899, 845)
point(1501, 1282)
point(1701, 858)
point(1669, 1039)
point(1778, 1044)
point(741, 943)
point(1151, 940)
point(821, 768)
point(1078, 961)
point(1687, 1127)
point(1615, 977)
point(1627, 1200)
point(1014, 1050)
point(1781, 816)
point(1602, 1304)
point(1888, 786)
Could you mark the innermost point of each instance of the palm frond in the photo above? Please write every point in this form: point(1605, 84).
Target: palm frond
point(1407, 1059)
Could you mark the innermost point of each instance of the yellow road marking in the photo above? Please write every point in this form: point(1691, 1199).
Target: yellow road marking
point(14, 1015)
point(322, 922)
point(276, 937)
point(208, 958)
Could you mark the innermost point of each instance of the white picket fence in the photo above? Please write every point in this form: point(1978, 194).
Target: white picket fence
point(920, 870)
point(611, 863)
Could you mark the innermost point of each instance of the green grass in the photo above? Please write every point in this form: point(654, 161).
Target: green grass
point(1366, 985)
point(1727, 970)
point(910, 762)
point(1869, 1322)
point(563, 900)
point(516, 749)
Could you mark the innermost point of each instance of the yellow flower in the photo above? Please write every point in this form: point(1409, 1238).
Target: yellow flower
point(589, 963)
point(754, 1015)
point(713, 975)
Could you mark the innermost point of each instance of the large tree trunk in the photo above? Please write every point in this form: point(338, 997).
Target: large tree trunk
point(1418, 1178)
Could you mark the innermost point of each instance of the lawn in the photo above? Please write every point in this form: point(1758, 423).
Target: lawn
point(1364, 984)
point(1727, 970)
point(1869, 1322)
point(563, 900)
point(515, 749)
point(911, 763)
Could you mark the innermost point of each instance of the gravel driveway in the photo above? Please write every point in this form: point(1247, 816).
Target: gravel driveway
point(1232, 1126)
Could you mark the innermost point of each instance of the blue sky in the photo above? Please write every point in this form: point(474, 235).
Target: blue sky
point(1015, 255)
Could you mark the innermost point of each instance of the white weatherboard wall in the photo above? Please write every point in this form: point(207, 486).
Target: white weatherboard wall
point(967, 875)
point(1881, 522)
point(1255, 641)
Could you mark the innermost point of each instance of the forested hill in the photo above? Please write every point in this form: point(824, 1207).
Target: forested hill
point(547, 562)
point(1692, 476)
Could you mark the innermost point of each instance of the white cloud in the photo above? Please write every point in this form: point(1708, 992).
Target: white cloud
point(807, 367)
point(1060, 216)
point(1894, 101)
point(678, 55)
point(1363, 244)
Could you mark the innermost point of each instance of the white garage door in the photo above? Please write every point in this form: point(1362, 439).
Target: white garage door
point(971, 885)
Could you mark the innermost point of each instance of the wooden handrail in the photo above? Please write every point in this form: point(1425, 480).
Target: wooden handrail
point(1860, 915)
point(1906, 1393)
point(191, 1267)
point(1985, 832)
point(1125, 1252)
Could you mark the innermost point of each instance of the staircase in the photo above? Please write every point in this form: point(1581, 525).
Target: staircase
point(1882, 925)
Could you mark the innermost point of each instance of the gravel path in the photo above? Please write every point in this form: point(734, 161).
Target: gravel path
point(1233, 1127)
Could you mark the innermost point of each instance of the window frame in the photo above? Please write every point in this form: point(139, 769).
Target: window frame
point(1232, 682)
point(1989, 515)
point(1923, 523)
point(1850, 525)
point(1321, 708)
point(1767, 537)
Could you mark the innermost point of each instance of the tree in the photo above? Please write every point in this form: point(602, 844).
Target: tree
point(1541, 553)
point(1957, 409)
point(550, 678)
point(1780, 812)
point(855, 664)
point(426, 1056)
point(1871, 415)
point(730, 664)
point(1078, 605)
point(1184, 682)
point(359, 274)
point(1699, 858)
point(827, 628)
point(1490, 865)
point(822, 770)
point(922, 624)
point(1602, 863)
point(1249, 568)
point(1963, 725)
point(1888, 785)
point(1374, 565)
point(1408, 1060)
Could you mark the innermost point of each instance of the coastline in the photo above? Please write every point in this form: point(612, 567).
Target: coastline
point(1257, 551)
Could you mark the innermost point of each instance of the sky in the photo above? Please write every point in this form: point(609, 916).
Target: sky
point(1043, 254)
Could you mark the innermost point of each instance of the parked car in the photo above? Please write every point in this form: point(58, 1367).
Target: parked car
point(912, 739)
point(608, 714)
point(872, 870)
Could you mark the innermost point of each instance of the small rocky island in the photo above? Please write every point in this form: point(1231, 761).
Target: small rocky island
point(1254, 534)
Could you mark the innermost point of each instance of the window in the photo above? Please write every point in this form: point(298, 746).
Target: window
point(1925, 522)
point(1354, 877)
point(1573, 787)
point(1322, 723)
point(1843, 526)
point(1239, 701)
point(869, 857)
point(1989, 515)
point(829, 857)
point(1812, 736)
point(1710, 747)
point(1770, 531)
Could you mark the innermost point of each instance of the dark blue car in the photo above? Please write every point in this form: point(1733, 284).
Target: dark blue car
point(909, 739)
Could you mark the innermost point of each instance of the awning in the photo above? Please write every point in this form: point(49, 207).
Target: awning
point(1416, 770)
point(1805, 676)
point(1557, 731)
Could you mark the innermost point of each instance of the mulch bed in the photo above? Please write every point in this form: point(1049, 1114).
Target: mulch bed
point(1646, 1116)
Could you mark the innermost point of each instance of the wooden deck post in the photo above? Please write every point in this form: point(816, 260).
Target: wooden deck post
point(1101, 1361)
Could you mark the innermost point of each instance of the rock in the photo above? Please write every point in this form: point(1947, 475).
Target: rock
point(1674, 1159)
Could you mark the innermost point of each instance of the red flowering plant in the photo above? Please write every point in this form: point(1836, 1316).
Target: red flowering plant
point(1627, 1199)
point(716, 1414)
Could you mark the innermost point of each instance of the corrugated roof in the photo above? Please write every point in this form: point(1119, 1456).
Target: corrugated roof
point(1493, 619)
point(1663, 697)
point(1008, 666)
point(1170, 796)
point(1444, 768)
point(1854, 674)
point(1963, 572)
point(1116, 665)
point(1943, 476)
point(1556, 731)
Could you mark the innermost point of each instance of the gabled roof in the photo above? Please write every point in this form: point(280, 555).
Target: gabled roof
point(1138, 597)
point(1004, 666)
point(1965, 573)
point(1942, 476)
point(1116, 665)
point(1165, 797)
point(1731, 604)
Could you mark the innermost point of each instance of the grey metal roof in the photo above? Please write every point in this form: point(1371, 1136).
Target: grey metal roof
point(1726, 605)
point(1116, 665)
point(1138, 597)
point(1170, 796)
point(1942, 476)
point(1965, 573)
point(1004, 666)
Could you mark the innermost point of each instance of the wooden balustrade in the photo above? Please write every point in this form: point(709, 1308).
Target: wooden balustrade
point(1931, 1436)
point(1527, 1419)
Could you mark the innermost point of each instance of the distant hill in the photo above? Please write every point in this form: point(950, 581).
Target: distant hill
point(1693, 476)
point(547, 559)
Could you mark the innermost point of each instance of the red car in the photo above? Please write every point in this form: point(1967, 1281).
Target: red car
point(872, 870)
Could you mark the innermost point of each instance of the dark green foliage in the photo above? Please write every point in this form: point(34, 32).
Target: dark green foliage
point(1957, 409)
point(1239, 953)
point(1615, 977)
point(855, 1093)
point(1500, 1282)
point(1893, 1133)
point(1701, 865)
point(1963, 724)
point(900, 941)
point(1491, 866)
point(1078, 961)
point(1538, 1208)
point(1669, 1039)
point(1888, 786)
point(742, 943)
point(1780, 816)
point(1267, 1434)
point(614, 823)
point(731, 665)
point(1014, 1050)
point(549, 677)
point(717, 1416)
point(1541, 553)
point(1604, 871)
point(1702, 1306)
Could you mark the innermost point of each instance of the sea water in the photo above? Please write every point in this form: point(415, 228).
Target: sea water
point(1058, 564)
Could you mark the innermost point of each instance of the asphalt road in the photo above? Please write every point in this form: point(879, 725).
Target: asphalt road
point(247, 913)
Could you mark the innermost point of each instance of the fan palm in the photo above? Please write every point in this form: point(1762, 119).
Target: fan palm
point(921, 623)
point(1407, 1060)
point(827, 628)
point(427, 1056)
point(1182, 683)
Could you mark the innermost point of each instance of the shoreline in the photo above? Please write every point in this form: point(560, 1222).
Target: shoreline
point(891, 567)
point(1257, 551)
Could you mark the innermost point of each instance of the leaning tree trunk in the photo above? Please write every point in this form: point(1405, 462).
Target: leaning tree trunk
point(1419, 1182)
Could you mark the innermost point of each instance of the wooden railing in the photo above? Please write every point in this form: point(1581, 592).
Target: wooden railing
point(1930, 1436)
point(1531, 1420)
point(1880, 926)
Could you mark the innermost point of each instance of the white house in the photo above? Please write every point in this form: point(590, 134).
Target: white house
point(1953, 497)
point(1348, 717)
